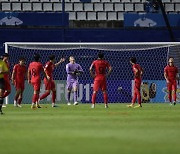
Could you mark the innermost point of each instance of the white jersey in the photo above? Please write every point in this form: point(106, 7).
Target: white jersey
point(144, 23)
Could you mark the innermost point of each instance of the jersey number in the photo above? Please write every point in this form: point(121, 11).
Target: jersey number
point(101, 70)
point(34, 72)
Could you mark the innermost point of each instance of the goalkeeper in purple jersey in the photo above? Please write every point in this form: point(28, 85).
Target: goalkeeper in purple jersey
point(73, 71)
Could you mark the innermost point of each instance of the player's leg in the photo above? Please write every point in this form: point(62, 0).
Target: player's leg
point(1, 94)
point(53, 89)
point(48, 89)
point(134, 97)
point(105, 95)
point(35, 98)
point(69, 89)
point(174, 89)
point(18, 91)
point(95, 90)
point(138, 92)
point(169, 87)
point(7, 89)
point(75, 90)
point(20, 98)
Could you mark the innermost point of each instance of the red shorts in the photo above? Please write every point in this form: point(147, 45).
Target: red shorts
point(172, 85)
point(99, 84)
point(49, 84)
point(7, 86)
point(36, 85)
point(19, 85)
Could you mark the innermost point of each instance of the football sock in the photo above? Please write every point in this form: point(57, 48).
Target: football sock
point(75, 96)
point(94, 98)
point(170, 96)
point(19, 101)
point(134, 98)
point(16, 97)
point(53, 96)
point(68, 96)
point(1, 102)
point(45, 95)
point(105, 98)
point(35, 98)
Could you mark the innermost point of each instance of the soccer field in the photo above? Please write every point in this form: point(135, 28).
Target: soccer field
point(155, 128)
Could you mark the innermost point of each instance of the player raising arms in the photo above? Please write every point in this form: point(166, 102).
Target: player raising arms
point(138, 72)
point(3, 71)
point(34, 71)
point(73, 71)
point(18, 79)
point(171, 75)
point(100, 65)
point(49, 84)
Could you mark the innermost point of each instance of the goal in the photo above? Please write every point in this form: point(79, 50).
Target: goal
point(151, 56)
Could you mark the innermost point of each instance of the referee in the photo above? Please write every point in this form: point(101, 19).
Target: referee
point(3, 70)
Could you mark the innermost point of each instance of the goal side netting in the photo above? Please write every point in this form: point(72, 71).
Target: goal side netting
point(151, 56)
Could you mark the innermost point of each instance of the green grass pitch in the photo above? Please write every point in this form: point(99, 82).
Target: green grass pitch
point(153, 129)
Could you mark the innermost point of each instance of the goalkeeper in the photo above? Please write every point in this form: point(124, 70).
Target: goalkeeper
point(73, 71)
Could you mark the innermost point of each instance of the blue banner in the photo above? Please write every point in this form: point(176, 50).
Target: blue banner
point(150, 20)
point(155, 91)
point(34, 19)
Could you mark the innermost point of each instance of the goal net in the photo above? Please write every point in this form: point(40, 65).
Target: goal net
point(151, 56)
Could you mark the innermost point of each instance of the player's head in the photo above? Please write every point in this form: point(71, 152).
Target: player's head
point(5, 56)
point(36, 57)
point(171, 61)
point(72, 59)
point(133, 60)
point(52, 57)
point(22, 60)
point(100, 55)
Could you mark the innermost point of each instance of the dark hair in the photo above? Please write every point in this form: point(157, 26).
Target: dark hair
point(36, 57)
point(133, 60)
point(5, 55)
point(22, 58)
point(100, 55)
point(51, 57)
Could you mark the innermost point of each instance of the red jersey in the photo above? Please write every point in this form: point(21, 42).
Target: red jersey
point(49, 68)
point(35, 68)
point(100, 68)
point(171, 72)
point(6, 75)
point(20, 72)
point(138, 74)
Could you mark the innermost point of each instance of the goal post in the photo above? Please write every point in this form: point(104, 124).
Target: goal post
point(152, 56)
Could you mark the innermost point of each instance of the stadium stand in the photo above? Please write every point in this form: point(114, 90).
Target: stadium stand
point(94, 10)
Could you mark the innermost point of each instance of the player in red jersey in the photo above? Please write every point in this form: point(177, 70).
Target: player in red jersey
point(138, 71)
point(34, 71)
point(50, 84)
point(7, 87)
point(171, 75)
point(18, 79)
point(100, 65)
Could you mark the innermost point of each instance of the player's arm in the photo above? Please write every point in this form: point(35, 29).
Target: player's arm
point(79, 70)
point(13, 74)
point(142, 71)
point(91, 70)
point(166, 76)
point(29, 76)
point(44, 70)
point(109, 71)
point(60, 61)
